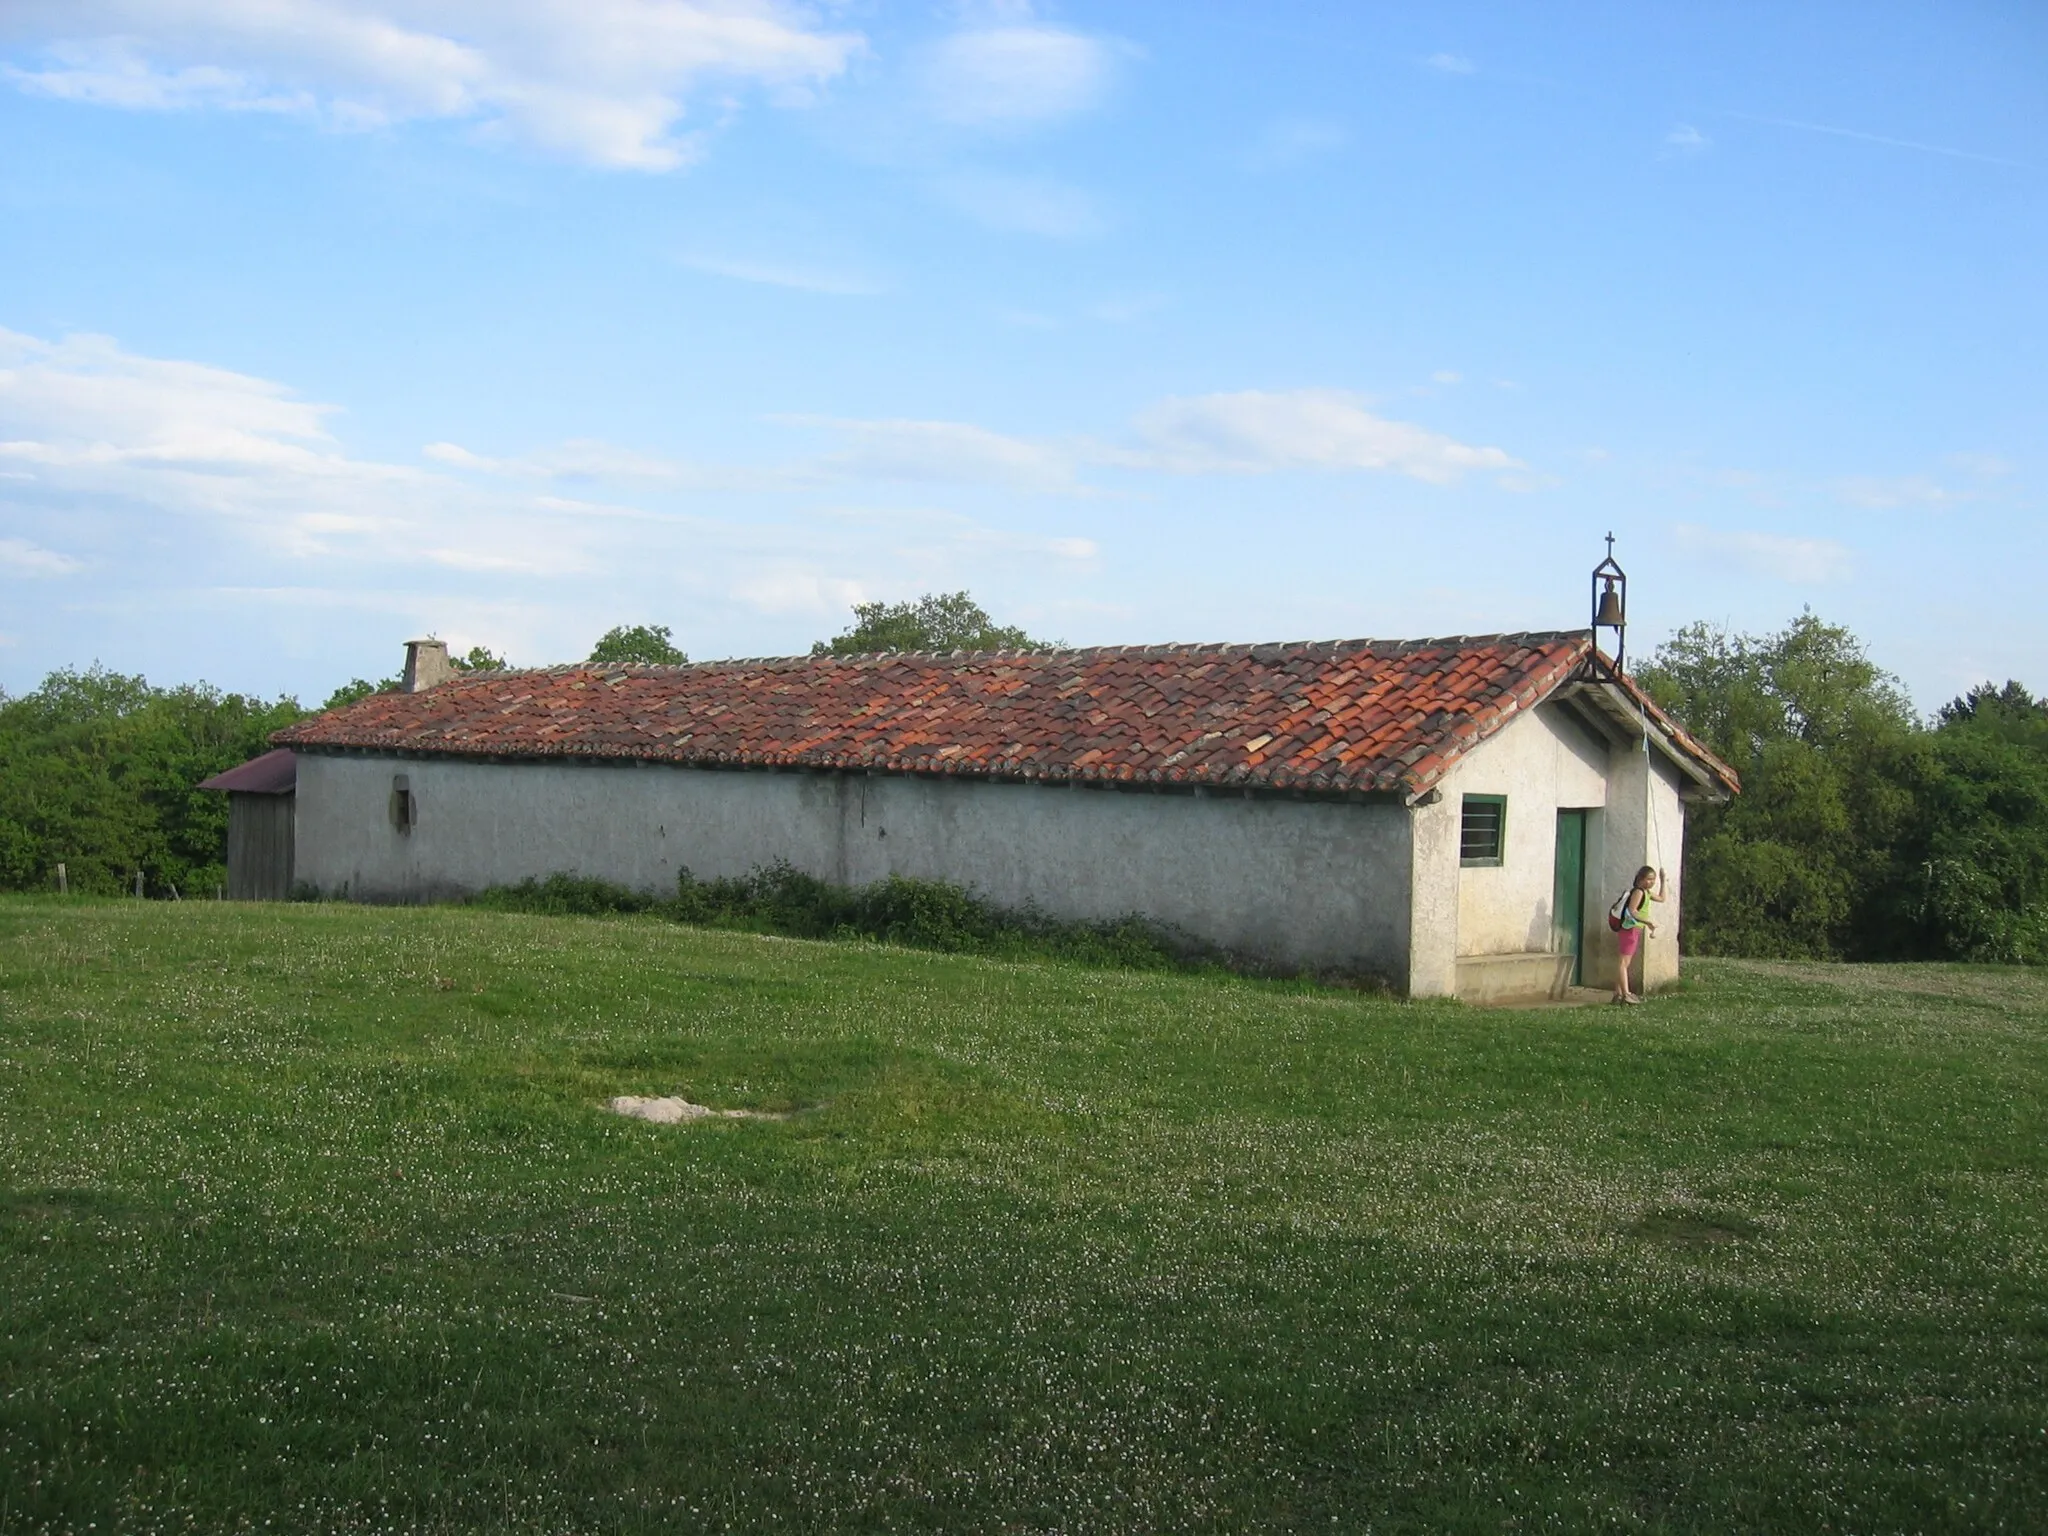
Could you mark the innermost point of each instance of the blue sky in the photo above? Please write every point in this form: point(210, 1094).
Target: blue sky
point(324, 323)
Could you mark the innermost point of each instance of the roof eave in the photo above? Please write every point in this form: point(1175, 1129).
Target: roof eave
point(1051, 777)
point(1623, 707)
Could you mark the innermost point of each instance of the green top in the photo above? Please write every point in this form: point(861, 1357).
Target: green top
point(1634, 906)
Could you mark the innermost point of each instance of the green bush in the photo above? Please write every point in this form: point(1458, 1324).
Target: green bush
point(922, 914)
point(564, 896)
point(919, 914)
point(938, 621)
point(1969, 879)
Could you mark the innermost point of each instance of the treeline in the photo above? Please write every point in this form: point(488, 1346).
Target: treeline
point(1863, 832)
point(97, 773)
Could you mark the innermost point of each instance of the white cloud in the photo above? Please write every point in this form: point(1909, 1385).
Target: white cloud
point(580, 457)
point(1260, 431)
point(202, 480)
point(1687, 140)
point(26, 559)
point(1888, 493)
point(145, 439)
point(928, 525)
point(1447, 376)
point(535, 562)
point(1027, 205)
point(589, 458)
point(184, 436)
point(600, 81)
point(1016, 77)
point(1800, 561)
point(799, 591)
point(584, 458)
point(1450, 63)
point(462, 458)
point(194, 479)
point(1250, 432)
point(112, 74)
point(944, 451)
point(84, 401)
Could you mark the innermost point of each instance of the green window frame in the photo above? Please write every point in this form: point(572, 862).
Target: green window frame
point(1483, 831)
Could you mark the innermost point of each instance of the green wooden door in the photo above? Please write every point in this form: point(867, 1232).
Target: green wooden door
point(1568, 899)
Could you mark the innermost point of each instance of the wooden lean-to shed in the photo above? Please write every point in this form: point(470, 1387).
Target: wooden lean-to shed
point(262, 814)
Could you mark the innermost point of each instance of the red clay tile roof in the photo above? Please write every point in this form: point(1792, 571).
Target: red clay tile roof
point(1341, 715)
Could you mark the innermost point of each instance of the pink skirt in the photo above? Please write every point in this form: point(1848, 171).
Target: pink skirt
point(1628, 940)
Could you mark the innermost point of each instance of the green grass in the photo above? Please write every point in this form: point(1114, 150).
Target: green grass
point(310, 1218)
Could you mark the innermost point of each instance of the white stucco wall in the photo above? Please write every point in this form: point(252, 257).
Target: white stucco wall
point(1298, 883)
point(1544, 762)
point(1433, 876)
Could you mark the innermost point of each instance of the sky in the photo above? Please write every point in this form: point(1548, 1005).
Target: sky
point(329, 323)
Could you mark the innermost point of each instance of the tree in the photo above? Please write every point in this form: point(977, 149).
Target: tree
point(637, 644)
point(1969, 874)
point(1860, 833)
point(1810, 682)
point(1799, 863)
point(98, 771)
point(480, 659)
point(357, 689)
point(947, 621)
point(2010, 713)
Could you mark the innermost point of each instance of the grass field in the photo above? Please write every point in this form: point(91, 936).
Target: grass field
point(311, 1220)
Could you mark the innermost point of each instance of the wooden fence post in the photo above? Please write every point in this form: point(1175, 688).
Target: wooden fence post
point(63, 882)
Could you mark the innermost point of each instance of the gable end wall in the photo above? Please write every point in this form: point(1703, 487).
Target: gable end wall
point(1543, 762)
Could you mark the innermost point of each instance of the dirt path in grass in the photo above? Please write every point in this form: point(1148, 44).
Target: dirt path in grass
point(676, 1111)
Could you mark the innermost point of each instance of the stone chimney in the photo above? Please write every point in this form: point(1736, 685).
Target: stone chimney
point(426, 663)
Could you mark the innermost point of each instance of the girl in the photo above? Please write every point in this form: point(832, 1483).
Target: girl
point(1635, 922)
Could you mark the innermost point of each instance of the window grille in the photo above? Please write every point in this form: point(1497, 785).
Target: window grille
point(1483, 830)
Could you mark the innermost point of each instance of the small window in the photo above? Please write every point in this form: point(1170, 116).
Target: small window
point(1483, 829)
point(405, 811)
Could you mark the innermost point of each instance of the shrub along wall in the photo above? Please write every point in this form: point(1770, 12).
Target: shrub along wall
point(923, 914)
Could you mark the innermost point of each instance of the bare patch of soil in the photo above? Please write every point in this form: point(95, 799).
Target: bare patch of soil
point(674, 1111)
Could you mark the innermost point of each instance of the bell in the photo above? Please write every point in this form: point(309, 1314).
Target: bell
point(1610, 606)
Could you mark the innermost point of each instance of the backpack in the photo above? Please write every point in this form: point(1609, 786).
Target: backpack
point(1618, 910)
